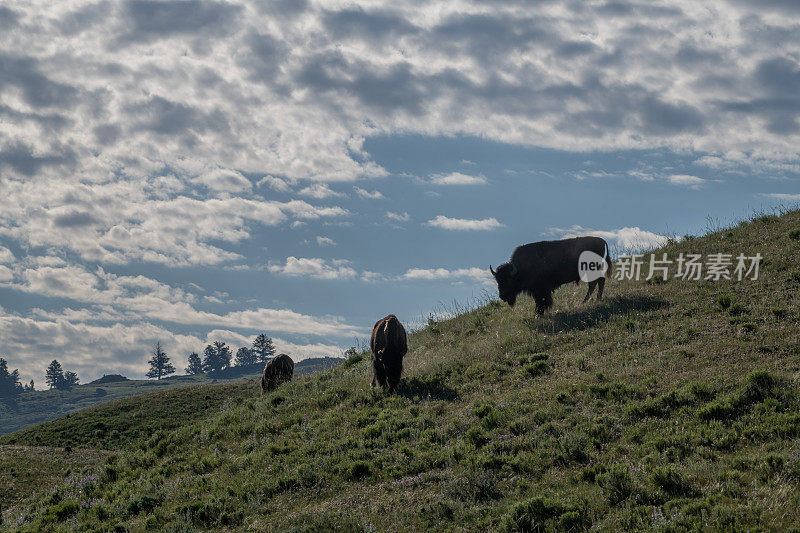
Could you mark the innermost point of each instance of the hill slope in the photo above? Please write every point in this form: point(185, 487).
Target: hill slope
point(38, 406)
point(670, 405)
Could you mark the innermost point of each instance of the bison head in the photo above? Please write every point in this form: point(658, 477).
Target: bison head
point(505, 275)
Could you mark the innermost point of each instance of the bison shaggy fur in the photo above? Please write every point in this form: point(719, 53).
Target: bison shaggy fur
point(277, 370)
point(388, 346)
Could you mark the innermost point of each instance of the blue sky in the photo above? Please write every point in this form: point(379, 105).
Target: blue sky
point(190, 171)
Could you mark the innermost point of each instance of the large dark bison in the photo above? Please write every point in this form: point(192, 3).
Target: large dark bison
point(277, 370)
point(388, 346)
point(538, 268)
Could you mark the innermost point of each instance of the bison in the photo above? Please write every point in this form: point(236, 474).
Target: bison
point(538, 268)
point(277, 370)
point(388, 346)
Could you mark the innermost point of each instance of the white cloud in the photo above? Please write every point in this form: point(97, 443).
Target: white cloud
point(464, 224)
point(625, 239)
point(138, 298)
point(319, 191)
point(296, 94)
point(477, 274)
point(6, 274)
point(6, 256)
point(224, 180)
point(314, 267)
point(786, 197)
point(457, 178)
point(117, 222)
point(369, 195)
point(276, 184)
point(398, 217)
point(373, 277)
point(325, 241)
point(692, 182)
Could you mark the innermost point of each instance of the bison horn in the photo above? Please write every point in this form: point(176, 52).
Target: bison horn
point(513, 269)
point(492, 271)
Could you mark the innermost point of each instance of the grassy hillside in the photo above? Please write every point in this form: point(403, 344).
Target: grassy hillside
point(668, 405)
point(27, 469)
point(37, 406)
point(122, 421)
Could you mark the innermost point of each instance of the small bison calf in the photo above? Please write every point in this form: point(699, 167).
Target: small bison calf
point(277, 370)
point(388, 346)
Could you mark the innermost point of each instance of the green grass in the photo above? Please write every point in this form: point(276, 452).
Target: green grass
point(665, 406)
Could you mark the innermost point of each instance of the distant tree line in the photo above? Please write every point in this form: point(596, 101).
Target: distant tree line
point(54, 376)
point(9, 381)
point(218, 356)
point(57, 378)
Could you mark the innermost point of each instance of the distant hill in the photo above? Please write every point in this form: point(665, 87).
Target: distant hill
point(109, 378)
point(114, 423)
point(32, 407)
point(668, 406)
point(255, 370)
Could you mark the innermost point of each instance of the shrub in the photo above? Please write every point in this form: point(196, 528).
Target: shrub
point(737, 310)
point(721, 409)
point(353, 358)
point(760, 384)
point(357, 470)
point(476, 436)
point(794, 234)
point(475, 485)
point(779, 312)
point(60, 512)
point(542, 514)
point(536, 368)
point(142, 504)
point(724, 301)
point(772, 465)
point(670, 481)
point(616, 483)
point(275, 401)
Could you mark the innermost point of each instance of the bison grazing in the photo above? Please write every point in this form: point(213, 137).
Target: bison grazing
point(388, 346)
point(277, 370)
point(538, 268)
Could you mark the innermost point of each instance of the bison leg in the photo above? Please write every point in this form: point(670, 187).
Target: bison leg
point(592, 285)
point(394, 372)
point(378, 373)
point(601, 283)
point(544, 301)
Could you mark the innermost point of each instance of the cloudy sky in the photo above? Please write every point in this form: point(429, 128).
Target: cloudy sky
point(190, 171)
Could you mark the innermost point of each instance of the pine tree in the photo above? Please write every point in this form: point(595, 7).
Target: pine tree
point(217, 356)
point(70, 379)
point(209, 359)
point(195, 364)
point(9, 381)
point(224, 354)
point(245, 357)
point(264, 348)
point(159, 363)
point(54, 375)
